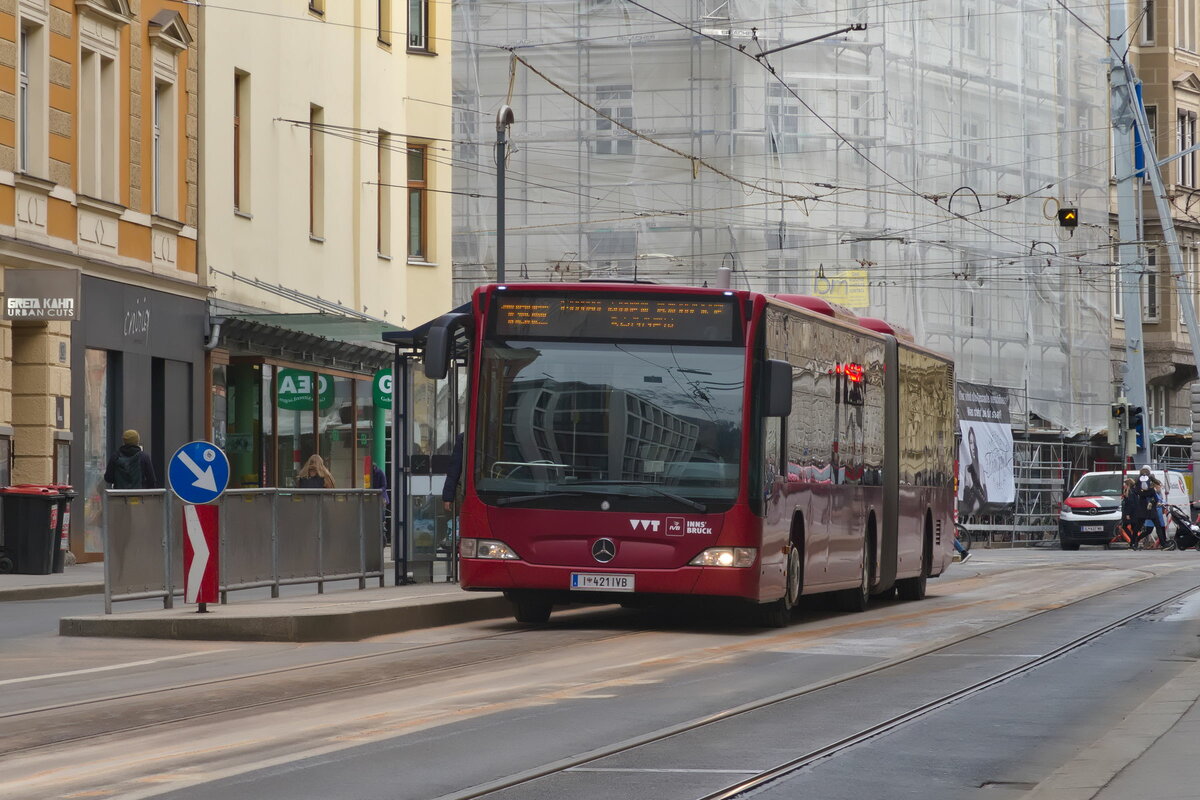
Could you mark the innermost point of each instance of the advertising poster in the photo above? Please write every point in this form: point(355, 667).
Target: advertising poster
point(985, 454)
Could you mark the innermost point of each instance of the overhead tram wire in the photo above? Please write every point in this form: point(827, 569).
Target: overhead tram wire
point(808, 107)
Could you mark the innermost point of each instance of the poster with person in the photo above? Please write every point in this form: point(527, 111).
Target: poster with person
point(985, 452)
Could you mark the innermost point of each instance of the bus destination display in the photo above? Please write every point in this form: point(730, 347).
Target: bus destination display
point(676, 319)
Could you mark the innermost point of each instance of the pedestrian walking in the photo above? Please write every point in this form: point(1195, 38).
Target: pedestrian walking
point(131, 467)
point(453, 474)
point(1149, 509)
point(314, 475)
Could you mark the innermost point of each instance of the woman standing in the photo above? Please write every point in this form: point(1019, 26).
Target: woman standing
point(314, 475)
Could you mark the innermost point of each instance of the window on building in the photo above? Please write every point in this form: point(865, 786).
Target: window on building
point(383, 211)
point(1118, 303)
point(970, 28)
point(32, 139)
point(612, 253)
point(417, 206)
point(1148, 31)
point(385, 21)
point(317, 6)
point(783, 119)
point(98, 126)
point(316, 173)
point(164, 164)
point(614, 103)
point(1150, 297)
point(418, 25)
point(1185, 21)
point(1186, 137)
point(241, 141)
point(1156, 397)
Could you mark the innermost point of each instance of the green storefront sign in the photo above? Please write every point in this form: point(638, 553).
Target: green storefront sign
point(296, 390)
point(381, 389)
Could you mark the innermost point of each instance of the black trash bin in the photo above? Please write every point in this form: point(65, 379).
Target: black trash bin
point(31, 527)
point(63, 537)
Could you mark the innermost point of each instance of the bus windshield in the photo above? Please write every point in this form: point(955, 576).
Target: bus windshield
point(609, 425)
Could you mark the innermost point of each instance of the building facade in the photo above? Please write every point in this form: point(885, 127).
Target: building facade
point(98, 190)
point(1166, 55)
point(325, 220)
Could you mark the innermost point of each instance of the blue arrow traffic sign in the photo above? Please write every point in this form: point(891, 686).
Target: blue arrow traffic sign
point(198, 472)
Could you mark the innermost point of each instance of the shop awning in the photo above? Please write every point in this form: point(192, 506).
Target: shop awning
point(328, 340)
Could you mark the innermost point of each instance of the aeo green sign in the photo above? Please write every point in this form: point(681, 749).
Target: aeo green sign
point(296, 390)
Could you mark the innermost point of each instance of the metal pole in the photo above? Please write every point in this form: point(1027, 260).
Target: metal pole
point(168, 554)
point(504, 118)
point(108, 553)
point(275, 542)
point(399, 391)
point(1129, 261)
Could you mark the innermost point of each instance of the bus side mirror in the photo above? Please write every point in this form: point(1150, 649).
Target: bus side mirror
point(439, 344)
point(778, 400)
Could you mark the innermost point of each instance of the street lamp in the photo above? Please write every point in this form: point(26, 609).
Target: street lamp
point(504, 118)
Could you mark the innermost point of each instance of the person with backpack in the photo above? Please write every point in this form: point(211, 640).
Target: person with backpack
point(131, 467)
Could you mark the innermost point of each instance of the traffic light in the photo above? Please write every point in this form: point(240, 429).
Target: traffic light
point(1118, 416)
point(1137, 425)
point(1068, 217)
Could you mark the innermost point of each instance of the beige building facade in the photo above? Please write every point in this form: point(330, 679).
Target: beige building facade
point(1166, 56)
point(324, 218)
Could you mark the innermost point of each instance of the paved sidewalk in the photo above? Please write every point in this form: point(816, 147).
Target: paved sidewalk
point(1150, 755)
point(73, 581)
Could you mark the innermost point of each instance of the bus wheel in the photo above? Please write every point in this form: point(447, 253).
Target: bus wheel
point(779, 613)
point(531, 608)
point(856, 599)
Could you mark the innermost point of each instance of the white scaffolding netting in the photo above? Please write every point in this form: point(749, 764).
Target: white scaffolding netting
point(910, 171)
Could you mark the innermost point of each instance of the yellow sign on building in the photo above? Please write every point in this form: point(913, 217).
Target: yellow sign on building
point(847, 288)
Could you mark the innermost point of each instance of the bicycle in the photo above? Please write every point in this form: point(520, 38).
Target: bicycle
point(962, 536)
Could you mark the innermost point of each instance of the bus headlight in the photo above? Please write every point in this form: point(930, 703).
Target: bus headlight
point(485, 548)
point(725, 557)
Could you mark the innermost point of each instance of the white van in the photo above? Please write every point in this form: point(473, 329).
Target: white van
point(1091, 512)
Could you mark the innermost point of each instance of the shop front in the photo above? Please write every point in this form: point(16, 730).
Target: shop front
point(139, 357)
point(281, 392)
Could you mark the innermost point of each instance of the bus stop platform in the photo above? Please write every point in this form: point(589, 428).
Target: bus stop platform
point(335, 616)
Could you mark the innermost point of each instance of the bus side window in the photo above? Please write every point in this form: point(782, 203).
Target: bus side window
point(772, 442)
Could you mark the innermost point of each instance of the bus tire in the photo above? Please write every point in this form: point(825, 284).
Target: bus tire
point(779, 613)
point(856, 600)
point(914, 588)
point(531, 609)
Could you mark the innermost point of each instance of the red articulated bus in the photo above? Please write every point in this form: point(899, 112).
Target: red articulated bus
point(633, 442)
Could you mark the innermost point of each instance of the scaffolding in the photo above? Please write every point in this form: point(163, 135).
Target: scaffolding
point(909, 171)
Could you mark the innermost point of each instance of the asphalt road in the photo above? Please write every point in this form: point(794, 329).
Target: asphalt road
point(433, 713)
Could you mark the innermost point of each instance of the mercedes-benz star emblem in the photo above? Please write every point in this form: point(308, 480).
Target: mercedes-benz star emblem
point(604, 550)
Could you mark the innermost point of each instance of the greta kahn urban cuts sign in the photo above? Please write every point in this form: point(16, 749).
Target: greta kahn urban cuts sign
point(41, 295)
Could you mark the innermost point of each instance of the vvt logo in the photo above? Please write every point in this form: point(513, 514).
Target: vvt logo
point(644, 524)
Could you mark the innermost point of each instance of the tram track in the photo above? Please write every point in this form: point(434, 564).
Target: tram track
point(761, 778)
point(28, 743)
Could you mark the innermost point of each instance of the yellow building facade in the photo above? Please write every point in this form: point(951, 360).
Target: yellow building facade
point(98, 188)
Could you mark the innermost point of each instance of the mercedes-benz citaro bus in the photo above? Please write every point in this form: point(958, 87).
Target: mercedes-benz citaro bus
point(628, 442)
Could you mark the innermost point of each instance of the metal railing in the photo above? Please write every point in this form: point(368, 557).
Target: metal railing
point(269, 537)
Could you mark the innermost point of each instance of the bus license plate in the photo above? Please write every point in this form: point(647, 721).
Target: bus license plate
point(586, 581)
point(1091, 528)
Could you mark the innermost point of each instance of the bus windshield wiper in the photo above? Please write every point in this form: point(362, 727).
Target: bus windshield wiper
point(687, 501)
point(525, 498)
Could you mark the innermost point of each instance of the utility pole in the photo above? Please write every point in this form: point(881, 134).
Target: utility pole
point(1129, 259)
point(504, 118)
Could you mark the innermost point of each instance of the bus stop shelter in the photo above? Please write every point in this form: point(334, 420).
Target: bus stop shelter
point(427, 415)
